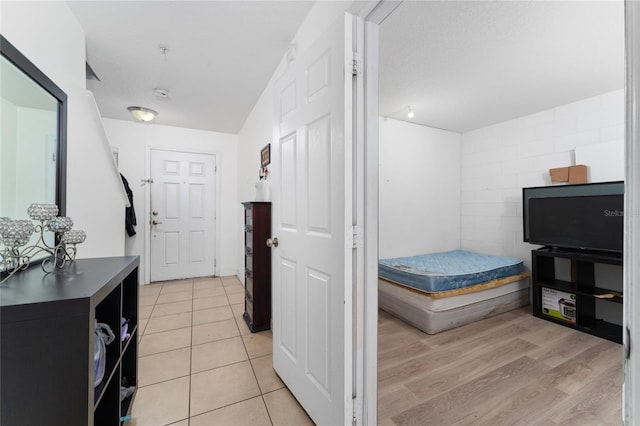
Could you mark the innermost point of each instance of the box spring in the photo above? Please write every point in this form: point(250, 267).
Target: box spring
point(433, 313)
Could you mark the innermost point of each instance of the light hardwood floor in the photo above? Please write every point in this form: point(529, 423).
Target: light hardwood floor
point(511, 369)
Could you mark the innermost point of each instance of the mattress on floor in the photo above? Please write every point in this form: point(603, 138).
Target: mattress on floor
point(436, 272)
point(443, 312)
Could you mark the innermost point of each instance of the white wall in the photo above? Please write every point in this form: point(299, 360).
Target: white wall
point(48, 34)
point(419, 184)
point(132, 140)
point(35, 128)
point(499, 160)
point(8, 155)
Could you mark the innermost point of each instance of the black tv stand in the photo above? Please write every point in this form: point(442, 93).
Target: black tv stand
point(576, 302)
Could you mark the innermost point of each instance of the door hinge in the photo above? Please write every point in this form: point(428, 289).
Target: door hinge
point(357, 236)
point(356, 64)
point(215, 168)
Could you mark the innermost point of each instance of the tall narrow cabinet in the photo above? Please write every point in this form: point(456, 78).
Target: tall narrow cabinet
point(257, 265)
point(47, 324)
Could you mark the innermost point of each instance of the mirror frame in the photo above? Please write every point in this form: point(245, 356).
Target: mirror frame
point(14, 56)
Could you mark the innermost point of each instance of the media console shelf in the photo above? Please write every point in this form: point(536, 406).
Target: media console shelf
point(581, 301)
point(47, 324)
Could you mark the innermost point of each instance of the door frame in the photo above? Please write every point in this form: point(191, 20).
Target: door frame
point(631, 320)
point(631, 270)
point(369, 382)
point(147, 203)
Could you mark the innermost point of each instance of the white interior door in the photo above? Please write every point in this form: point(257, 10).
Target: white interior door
point(182, 215)
point(312, 219)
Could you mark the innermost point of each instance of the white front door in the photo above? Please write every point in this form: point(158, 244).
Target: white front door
point(182, 215)
point(312, 217)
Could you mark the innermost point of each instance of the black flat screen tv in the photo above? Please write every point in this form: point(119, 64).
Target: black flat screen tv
point(584, 217)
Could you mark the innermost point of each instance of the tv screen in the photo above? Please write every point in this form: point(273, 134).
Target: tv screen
point(588, 217)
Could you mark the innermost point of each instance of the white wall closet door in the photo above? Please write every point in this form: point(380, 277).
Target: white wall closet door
point(182, 215)
point(312, 216)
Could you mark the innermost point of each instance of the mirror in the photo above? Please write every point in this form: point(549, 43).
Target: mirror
point(32, 137)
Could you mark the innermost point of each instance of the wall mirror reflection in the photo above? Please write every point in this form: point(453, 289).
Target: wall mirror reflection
point(32, 138)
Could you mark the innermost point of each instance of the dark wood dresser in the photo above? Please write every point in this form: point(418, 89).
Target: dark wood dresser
point(257, 265)
point(47, 324)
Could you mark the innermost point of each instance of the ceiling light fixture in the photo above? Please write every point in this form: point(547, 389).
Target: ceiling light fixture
point(410, 114)
point(142, 114)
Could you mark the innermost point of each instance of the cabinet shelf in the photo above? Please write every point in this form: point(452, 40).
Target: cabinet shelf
point(47, 337)
point(583, 290)
point(575, 303)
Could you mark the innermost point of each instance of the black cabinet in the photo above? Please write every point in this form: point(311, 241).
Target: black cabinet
point(257, 265)
point(47, 337)
point(569, 290)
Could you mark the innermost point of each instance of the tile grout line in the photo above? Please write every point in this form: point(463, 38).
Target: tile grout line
point(191, 346)
point(190, 358)
point(253, 370)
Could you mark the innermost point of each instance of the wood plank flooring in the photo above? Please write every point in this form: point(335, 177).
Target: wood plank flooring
point(511, 369)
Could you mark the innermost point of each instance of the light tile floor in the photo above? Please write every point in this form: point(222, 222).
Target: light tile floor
point(199, 365)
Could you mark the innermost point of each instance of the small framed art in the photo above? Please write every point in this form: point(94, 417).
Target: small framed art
point(265, 155)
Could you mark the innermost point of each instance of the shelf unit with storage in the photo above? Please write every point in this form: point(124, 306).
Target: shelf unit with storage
point(257, 262)
point(579, 289)
point(47, 337)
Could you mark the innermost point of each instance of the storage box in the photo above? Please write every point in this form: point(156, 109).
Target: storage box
point(559, 304)
point(561, 174)
point(571, 174)
point(577, 174)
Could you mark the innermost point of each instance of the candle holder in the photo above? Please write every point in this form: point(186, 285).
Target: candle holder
point(16, 254)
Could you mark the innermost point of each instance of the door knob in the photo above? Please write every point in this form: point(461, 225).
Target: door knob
point(155, 222)
point(272, 242)
point(155, 212)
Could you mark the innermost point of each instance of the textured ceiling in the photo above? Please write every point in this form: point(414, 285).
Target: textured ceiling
point(221, 54)
point(465, 65)
point(461, 65)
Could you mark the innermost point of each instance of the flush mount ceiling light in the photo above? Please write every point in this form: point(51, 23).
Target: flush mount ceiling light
point(410, 114)
point(142, 114)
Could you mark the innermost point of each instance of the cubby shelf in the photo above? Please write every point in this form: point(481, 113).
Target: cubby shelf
point(576, 297)
point(47, 338)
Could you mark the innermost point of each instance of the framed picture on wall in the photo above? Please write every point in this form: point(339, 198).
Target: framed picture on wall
point(265, 156)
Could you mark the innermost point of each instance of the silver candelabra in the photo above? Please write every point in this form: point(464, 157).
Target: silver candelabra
point(15, 235)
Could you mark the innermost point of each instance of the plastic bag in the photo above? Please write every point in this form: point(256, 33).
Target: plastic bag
point(103, 336)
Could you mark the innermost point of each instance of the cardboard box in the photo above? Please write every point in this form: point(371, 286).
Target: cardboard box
point(559, 304)
point(577, 174)
point(571, 174)
point(561, 174)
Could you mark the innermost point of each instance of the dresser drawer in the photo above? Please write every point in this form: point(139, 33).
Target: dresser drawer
point(248, 285)
point(248, 240)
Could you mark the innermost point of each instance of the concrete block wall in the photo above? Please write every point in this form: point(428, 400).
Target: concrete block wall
point(499, 160)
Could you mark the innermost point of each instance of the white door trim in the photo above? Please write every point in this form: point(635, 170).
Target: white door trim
point(147, 202)
point(369, 313)
point(631, 307)
point(631, 385)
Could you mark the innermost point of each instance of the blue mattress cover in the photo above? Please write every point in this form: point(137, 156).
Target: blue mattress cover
point(436, 272)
